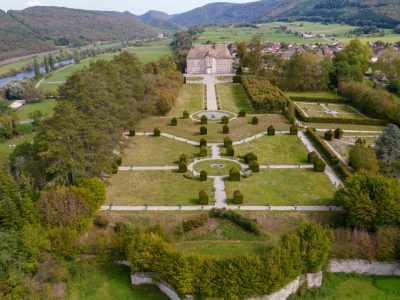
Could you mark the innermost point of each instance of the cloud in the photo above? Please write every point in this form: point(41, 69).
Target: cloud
point(33, 3)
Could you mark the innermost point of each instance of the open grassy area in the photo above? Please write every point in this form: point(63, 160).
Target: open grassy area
point(284, 187)
point(155, 188)
point(232, 97)
point(7, 147)
point(353, 287)
point(280, 149)
point(111, 282)
point(239, 129)
point(191, 98)
point(207, 166)
point(155, 151)
point(45, 106)
point(329, 110)
point(344, 145)
point(314, 94)
point(152, 51)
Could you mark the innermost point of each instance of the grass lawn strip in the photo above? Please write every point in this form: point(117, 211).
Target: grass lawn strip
point(224, 171)
point(190, 98)
point(232, 97)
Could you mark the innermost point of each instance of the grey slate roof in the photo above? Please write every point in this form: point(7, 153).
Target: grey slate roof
point(218, 51)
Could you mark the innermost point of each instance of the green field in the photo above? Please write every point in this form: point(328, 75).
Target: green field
point(45, 106)
point(353, 287)
point(155, 188)
point(152, 51)
point(6, 147)
point(232, 97)
point(111, 282)
point(284, 187)
point(190, 98)
point(280, 149)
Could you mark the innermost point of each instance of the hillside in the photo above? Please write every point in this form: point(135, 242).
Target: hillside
point(383, 13)
point(18, 40)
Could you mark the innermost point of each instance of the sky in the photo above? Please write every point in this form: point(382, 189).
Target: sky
point(134, 6)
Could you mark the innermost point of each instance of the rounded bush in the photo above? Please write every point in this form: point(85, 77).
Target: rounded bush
point(329, 135)
point(225, 129)
point(249, 157)
point(182, 167)
point(185, 114)
point(132, 132)
point(312, 156)
point(204, 120)
point(271, 130)
point(254, 121)
point(234, 174)
point(224, 120)
point(227, 142)
point(174, 121)
point(203, 130)
point(254, 166)
point(294, 130)
point(338, 133)
point(203, 151)
point(230, 151)
point(203, 142)
point(203, 198)
point(118, 161)
point(242, 114)
point(157, 132)
point(319, 165)
point(203, 176)
point(237, 197)
point(183, 158)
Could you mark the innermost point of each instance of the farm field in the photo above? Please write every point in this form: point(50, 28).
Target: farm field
point(284, 187)
point(155, 188)
point(232, 97)
point(191, 98)
point(329, 110)
point(353, 287)
point(280, 149)
point(6, 147)
point(45, 106)
point(151, 51)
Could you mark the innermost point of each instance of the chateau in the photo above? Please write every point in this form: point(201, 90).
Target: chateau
point(209, 59)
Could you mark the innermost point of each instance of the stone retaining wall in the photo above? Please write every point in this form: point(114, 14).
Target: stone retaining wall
point(148, 278)
point(361, 266)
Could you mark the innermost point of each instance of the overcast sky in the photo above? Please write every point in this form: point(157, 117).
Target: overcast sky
point(134, 6)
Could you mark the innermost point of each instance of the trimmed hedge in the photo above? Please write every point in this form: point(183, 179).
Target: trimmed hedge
point(230, 151)
point(204, 120)
point(237, 79)
point(174, 121)
point(132, 132)
point(193, 223)
point(185, 114)
point(203, 176)
point(183, 158)
point(319, 165)
point(338, 133)
point(254, 166)
point(294, 130)
point(242, 114)
point(237, 197)
point(228, 142)
point(203, 151)
point(225, 129)
point(319, 99)
point(271, 130)
point(203, 130)
point(312, 156)
point(329, 135)
point(254, 121)
point(203, 198)
point(249, 157)
point(224, 120)
point(157, 132)
point(234, 174)
point(203, 142)
point(182, 167)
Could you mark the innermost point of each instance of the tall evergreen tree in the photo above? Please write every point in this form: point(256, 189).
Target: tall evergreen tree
point(46, 64)
point(52, 62)
point(36, 68)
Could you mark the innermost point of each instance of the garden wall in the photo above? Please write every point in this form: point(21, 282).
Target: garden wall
point(362, 266)
point(148, 278)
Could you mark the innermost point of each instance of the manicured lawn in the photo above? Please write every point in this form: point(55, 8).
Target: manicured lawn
point(284, 187)
point(322, 110)
point(313, 94)
point(111, 282)
point(353, 287)
point(232, 97)
point(191, 98)
point(155, 188)
point(280, 149)
point(45, 106)
point(49, 88)
point(6, 147)
point(206, 166)
point(155, 151)
point(344, 145)
point(239, 129)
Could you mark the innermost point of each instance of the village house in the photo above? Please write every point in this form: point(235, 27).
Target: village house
point(209, 59)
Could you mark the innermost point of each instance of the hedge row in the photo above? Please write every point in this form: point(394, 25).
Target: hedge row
point(302, 117)
point(319, 99)
point(340, 168)
point(192, 223)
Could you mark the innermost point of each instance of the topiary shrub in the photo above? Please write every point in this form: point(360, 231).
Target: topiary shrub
point(271, 130)
point(204, 120)
point(118, 161)
point(312, 156)
point(254, 121)
point(203, 142)
point(224, 120)
point(249, 157)
point(361, 141)
point(132, 132)
point(203, 130)
point(329, 135)
point(234, 174)
point(185, 114)
point(174, 121)
point(242, 114)
point(203, 176)
point(203, 151)
point(294, 130)
point(237, 197)
point(230, 151)
point(319, 165)
point(338, 133)
point(183, 158)
point(157, 132)
point(203, 198)
point(182, 167)
point(227, 142)
point(225, 129)
point(254, 166)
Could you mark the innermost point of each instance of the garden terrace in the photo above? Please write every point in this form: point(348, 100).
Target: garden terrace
point(284, 187)
point(233, 97)
point(344, 145)
point(329, 110)
point(191, 98)
point(314, 96)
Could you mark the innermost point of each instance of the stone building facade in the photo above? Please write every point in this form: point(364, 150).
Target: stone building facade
point(209, 59)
